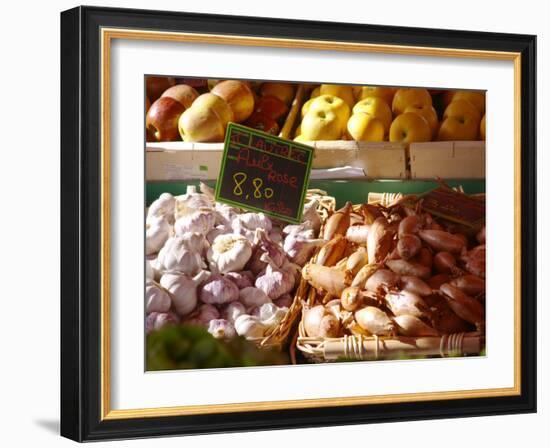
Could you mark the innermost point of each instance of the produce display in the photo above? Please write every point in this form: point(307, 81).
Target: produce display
point(215, 266)
point(199, 110)
point(371, 113)
point(395, 271)
point(200, 113)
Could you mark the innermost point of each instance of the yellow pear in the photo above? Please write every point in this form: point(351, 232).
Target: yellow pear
point(429, 114)
point(328, 102)
point(321, 125)
point(376, 107)
point(410, 127)
point(339, 90)
point(363, 127)
point(406, 97)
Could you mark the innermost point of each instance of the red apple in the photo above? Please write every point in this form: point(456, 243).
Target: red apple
point(183, 93)
point(162, 119)
point(262, 122)
point(271, 106)
point(155, 85)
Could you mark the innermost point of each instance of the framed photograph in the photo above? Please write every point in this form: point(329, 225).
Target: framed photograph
point(277, 224)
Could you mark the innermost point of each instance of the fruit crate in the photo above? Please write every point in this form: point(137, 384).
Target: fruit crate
point(448, 160)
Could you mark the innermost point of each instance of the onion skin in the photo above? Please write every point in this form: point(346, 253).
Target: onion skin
point(351, 298)
point(332, 251)
point(415, 285)
point(425, 257)
point(404, 267)
point(442, 241)
point(406, 302)
point(329, 327)
point(382, 278)
point(410, 225)
point(379, 240)
point(375, 321)
point(436, 281)
point(408, 246)
point(463, 305)
point(480, 237)
point(363, 275)
point(358, 234)
point(469, 284)
point(357, 260)
point(338, 223)
point(326, 278)
point(312, 320)
point(412, 326)
point(444, 262)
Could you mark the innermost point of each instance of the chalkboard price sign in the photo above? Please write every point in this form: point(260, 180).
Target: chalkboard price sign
point(264, 173)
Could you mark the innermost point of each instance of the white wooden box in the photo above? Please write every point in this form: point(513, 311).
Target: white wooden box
point(448, 160)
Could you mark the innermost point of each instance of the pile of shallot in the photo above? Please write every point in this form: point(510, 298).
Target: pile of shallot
point(214, 265)
point(395, 271)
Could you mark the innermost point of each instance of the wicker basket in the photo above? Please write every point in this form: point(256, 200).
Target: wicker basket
point(278, 336)
point(363, 348)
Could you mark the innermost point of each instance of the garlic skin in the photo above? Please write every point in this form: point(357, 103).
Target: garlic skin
point(177, 256)
point(156, 298)
point(218, 290)
point(221, 329)
point(163, 206)
point(251, 296)
point(183, 290)
point(229, 253)
point(158, 229)
point(249, 326)
point(157, 321)
point(275, 282)
point(300, 249)
point(201, 221)
point(191, 202)
point(206, 313)
point(271, 315)
point(284, 301)
point(253, 221)
point(311, 215)
point(220, 229)
point(242, 279)
point(233, 310)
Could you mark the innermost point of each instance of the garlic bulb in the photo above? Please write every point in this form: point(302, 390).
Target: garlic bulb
point(156, 298)
point(221, 329)
point(229, 253)
point(284, 301)
point(183, 290)
point(311, 215)
point(149, 271)
point(218, 290)
point(233, 310)
point(249, 326)
point(218, 230)
point(242, 279)
point(191, 202)
point(157, 232)
point(177, 256)
point(201, 221)
point(157, 321)
point(225, 213)
point(271, 315)
point(275, 282)
point(251, 296)
point(253, 221)
point(300, 249)
point(265, 250)
point(207, 312)
point(164, 207)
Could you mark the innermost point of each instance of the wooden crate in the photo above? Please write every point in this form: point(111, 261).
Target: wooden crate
point(448, 160)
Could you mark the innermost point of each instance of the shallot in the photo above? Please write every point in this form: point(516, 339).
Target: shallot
point(375, 321)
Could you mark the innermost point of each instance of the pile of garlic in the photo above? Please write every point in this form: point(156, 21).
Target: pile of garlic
point(213, 265)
